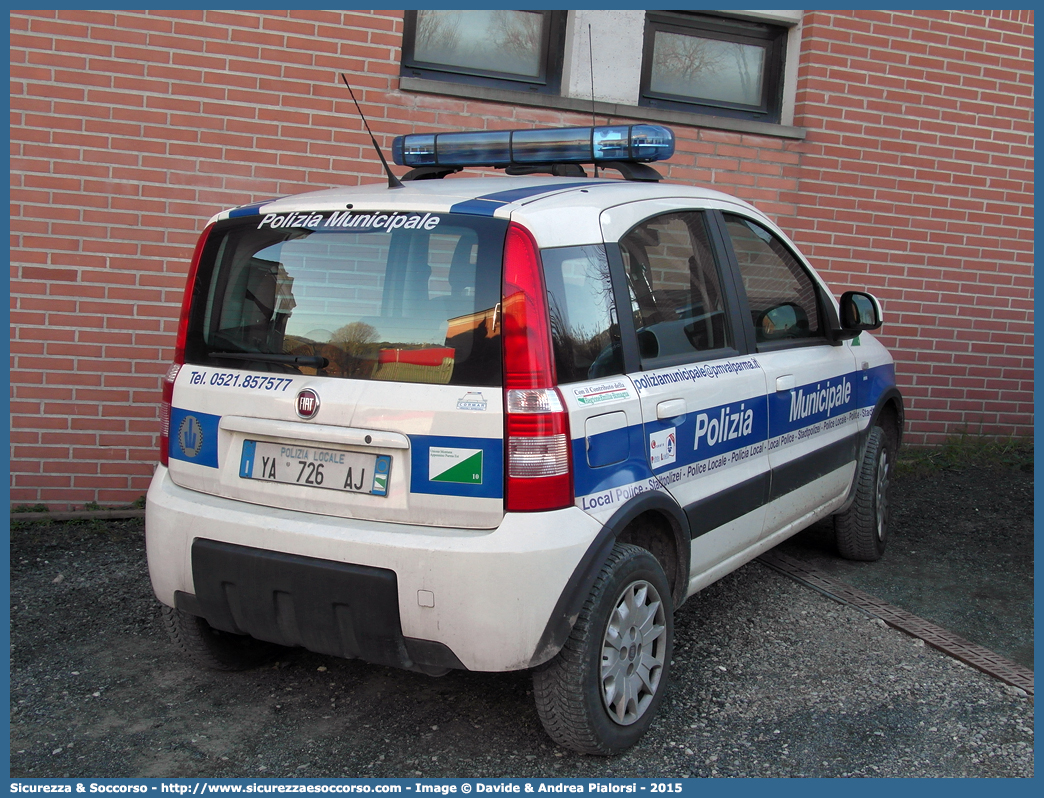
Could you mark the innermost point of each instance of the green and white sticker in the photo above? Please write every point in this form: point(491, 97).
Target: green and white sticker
point(462, 466)
point(596, 394)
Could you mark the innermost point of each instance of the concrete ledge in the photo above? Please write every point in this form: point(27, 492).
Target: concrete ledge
point(79, 515)
point(466, 91)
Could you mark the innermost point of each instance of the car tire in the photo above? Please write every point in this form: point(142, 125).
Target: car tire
point(212, 648)
point(862, 530)
point(602, 690)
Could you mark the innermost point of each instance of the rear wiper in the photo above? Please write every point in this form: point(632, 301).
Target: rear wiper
point(309, 361)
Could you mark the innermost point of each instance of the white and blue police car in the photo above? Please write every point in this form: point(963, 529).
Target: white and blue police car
point(506, 422)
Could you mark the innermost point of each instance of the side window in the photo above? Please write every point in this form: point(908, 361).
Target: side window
point(782, 296)
point(675, 288)
point(585, 335)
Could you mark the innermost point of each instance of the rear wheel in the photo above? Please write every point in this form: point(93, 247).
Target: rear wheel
point(862, 530)
point(212, 648)
point(602, 690)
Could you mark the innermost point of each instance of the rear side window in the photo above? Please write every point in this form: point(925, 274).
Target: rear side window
point(341, 295)
point(585, 335)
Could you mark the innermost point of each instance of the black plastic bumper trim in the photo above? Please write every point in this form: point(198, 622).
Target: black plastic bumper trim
point(727, 505)
point(328, 607)
point(793, 475)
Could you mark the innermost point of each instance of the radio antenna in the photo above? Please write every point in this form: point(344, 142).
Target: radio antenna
point(393, 181)
point(590, 63)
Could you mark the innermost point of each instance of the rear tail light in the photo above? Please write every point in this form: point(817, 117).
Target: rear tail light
point(539, 467)
point(168, 396)
point(179, 351)
point(537, 443)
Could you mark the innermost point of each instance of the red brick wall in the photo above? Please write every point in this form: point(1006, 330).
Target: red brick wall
point(130, 129)
point(916, 180)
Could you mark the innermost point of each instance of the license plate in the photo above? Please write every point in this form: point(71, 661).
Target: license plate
point(354, 472)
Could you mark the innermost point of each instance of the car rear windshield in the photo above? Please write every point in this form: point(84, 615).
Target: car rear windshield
point(407, 297)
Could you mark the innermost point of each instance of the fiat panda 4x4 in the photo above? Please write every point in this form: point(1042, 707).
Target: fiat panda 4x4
point(506, 422)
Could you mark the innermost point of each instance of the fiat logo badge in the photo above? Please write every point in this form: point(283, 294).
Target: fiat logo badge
point(307, 403)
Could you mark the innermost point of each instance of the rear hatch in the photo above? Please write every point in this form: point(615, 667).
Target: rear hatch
point(346, 363)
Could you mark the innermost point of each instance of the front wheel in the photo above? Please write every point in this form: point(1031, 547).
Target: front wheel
point(862, 530)
point(602, 690)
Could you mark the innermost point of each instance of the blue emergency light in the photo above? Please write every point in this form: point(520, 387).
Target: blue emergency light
point(502, 148)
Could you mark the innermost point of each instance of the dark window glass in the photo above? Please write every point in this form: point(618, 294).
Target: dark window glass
point(500, 48)
point(782, 297)
point(713, 65)
point(584, 331)
point(675, 289)
point(416, 304)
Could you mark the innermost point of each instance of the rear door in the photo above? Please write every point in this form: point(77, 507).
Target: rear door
point(346, 364)
point(702, 396)
point(605, 414)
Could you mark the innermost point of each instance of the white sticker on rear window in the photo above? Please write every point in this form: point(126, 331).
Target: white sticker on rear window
point(463, 466)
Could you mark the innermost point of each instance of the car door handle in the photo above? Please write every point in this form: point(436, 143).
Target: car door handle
point(785, 383)
point(672, 408)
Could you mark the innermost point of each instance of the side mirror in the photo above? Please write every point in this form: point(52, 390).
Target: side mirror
point(782, 321)
point(858, 311)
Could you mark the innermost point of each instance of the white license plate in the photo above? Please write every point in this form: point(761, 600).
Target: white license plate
point(354, 472)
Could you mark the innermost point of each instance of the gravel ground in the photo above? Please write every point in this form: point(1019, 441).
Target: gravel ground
point(769, 679)
point(961, 555)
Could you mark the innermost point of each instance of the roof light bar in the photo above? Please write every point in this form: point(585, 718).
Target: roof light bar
point(636, 143)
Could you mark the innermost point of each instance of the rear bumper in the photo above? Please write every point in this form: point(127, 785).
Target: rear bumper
point(329, 607)
point(486, 596)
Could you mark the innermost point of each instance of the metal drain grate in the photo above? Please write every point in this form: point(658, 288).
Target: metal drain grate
point(957, 647)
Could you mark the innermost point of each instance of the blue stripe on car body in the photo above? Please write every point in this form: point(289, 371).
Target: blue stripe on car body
point(488, 204)
point(250, 210)
point(769, 418)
